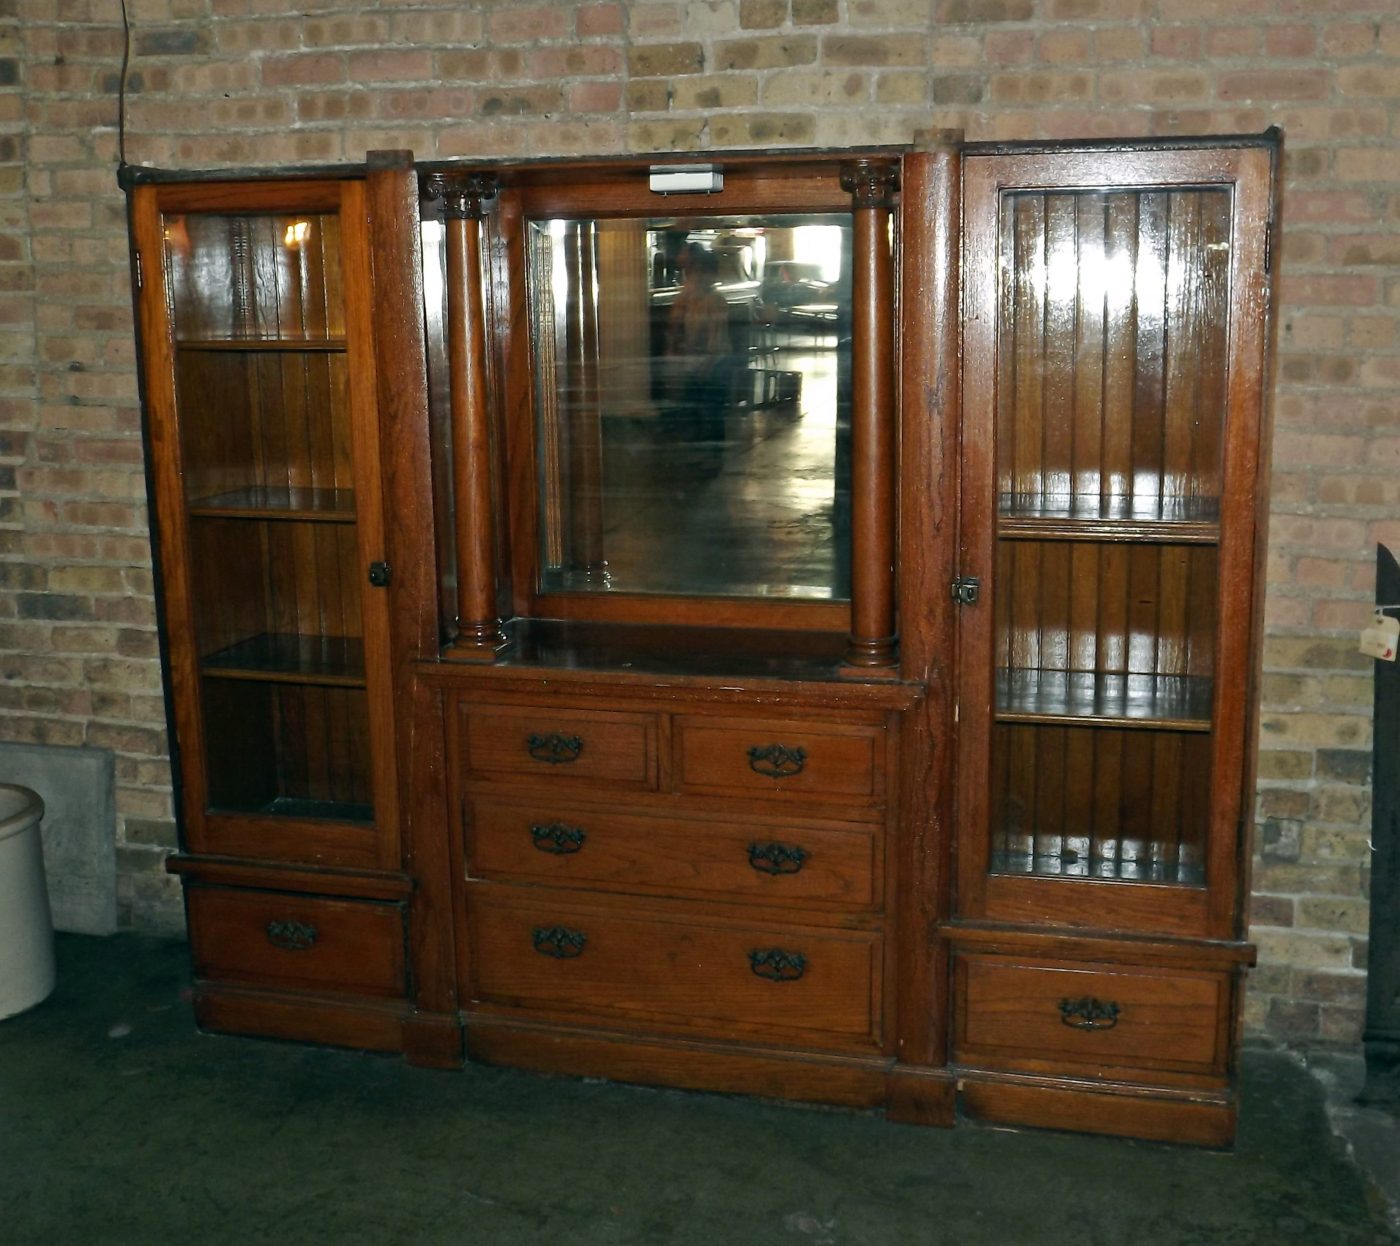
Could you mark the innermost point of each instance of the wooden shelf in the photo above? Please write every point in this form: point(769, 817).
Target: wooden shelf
point(1090, 517)
point(263, 344)
point(1074, 865)
point(280, 658)
point(255, 502)
point(1088, 698)
point(309, 810)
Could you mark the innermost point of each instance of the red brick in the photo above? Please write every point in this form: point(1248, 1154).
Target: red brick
point(1061, 47)
point(390, 66)
point(595, 97)
point(306, 70)
point(1334, 290)
point(1009, 47)
point(528, 24)
point(576, 61)
point(1370, 80)
point(1176, 41)
point(1274, 84)
point(1341, 207)
point(1367, 164)
point(1160, 86)
point(600, 19)
point(1290, 41)
point(1346, 39)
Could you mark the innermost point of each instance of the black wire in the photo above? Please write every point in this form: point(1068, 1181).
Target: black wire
point(121, 87)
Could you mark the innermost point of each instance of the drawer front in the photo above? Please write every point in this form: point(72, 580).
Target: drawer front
point(689, 973)
point(296, 941)
point(611, 748)
point(780, 758)
point(1014, 1014)
point(573, 845)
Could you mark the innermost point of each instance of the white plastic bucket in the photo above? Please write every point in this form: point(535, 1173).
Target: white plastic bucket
point(26, 926)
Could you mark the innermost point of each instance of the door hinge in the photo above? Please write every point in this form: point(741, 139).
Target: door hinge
point(140, 277)
point(1269, 246)
point(966, 590)
point(379, 573)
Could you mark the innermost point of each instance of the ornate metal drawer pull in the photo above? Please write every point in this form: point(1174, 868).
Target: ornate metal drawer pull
point(291, 936)
point(1089, 1013)
point(776, 858)
point(558, 837)
point(776, 761)
point(559, 942)
point(554, 748)
point(777, 965)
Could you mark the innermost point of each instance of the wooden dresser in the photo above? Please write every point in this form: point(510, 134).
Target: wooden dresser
point(790, 631)
point(643, 864)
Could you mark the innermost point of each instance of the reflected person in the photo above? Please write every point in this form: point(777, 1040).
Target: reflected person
point(697, 340)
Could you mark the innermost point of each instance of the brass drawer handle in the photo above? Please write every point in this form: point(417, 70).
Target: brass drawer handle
point(777, 964)
point(776, 761)
point(776, 858)
point(559, 942)
point(558, 838)
point(1089, 1013)
point(291, 936)
point(554, 748)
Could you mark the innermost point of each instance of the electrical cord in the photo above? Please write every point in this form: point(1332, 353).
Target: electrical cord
point(121, 87)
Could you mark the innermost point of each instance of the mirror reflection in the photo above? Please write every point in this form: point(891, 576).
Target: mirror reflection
point(693, 382)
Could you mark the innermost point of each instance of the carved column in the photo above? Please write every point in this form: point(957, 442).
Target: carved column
point(478, 625)
point(873, 641)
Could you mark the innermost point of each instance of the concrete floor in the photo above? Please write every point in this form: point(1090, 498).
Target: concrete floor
point(120, 1124)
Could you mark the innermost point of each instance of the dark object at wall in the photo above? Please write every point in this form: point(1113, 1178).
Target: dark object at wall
point(1382, 1035)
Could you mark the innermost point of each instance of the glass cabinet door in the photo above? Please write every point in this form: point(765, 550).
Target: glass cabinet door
point(1117, 518)
point(274, 441)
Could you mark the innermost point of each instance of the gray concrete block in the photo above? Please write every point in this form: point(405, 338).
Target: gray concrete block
point(78, 786)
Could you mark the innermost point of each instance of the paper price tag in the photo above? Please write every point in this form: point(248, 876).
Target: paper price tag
point(1382, 638)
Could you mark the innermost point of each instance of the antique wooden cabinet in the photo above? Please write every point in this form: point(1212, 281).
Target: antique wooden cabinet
point(785, 626)
point(1115, 316)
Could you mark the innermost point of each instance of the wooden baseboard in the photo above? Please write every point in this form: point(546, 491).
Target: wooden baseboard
point(433, 1040)
point(811, 1078)
point(921, 1097)
point(1206, 1119)
point(366, 1026)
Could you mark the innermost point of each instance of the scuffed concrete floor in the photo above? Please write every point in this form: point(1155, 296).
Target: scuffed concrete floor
point(1371, 1133)
point(120, 1124)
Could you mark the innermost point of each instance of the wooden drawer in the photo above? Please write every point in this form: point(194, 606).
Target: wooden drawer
point(1061, 1015)
point(780, 758)
point(598, 847)
point(678, 971)
point(296, 941)
point(615, 749)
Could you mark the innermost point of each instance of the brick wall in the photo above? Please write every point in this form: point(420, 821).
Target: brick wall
point(238, 82)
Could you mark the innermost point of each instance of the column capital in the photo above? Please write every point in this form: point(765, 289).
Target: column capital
point(871, 185)
point(462, 194)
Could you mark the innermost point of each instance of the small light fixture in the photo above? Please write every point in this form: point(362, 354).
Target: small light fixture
point(685, 179)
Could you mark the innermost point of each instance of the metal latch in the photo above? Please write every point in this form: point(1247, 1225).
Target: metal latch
point(379, 573)
point(966, 590)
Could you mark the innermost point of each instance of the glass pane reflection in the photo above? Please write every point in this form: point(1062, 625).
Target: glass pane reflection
point(693, 405)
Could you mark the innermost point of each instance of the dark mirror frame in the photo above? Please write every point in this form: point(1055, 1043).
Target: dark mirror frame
point(783, 189)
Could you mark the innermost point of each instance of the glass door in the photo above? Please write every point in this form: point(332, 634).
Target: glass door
point(271, 409)
point(1117, 531)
